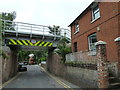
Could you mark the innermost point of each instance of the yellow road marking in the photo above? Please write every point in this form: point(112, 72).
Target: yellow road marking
point(59, 81)
point(10, 80)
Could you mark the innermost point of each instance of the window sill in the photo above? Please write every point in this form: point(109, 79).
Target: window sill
point(76, 32)
point(95, 20)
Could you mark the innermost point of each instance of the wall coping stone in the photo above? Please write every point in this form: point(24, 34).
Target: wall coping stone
point(100, 43)
point(117, 39)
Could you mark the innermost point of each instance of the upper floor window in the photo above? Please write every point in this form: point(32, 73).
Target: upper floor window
point(92, 39)
point(95, 13)
point(76, 27)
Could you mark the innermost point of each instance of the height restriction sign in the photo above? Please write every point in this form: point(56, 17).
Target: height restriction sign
point(33, 41)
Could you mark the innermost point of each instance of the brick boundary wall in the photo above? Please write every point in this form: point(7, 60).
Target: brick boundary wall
point(103, 80)
point(75, 75)
point(117, 40)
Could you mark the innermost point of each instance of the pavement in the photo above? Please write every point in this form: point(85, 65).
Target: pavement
point(37, 77)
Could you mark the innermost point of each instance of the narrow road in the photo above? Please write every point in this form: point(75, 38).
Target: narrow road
point(35, 77)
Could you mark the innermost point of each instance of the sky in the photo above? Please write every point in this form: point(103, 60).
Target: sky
point(45, 12)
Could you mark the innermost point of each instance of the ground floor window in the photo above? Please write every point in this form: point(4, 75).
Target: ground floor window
point(75, 47)
point(92, 39)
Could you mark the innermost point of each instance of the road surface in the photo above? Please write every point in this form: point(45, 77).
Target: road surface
point(36, 77)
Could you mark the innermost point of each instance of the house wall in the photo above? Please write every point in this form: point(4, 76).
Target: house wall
point(108, 24)
point(119, 19)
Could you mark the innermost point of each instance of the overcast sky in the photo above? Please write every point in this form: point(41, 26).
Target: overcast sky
point(45, 12)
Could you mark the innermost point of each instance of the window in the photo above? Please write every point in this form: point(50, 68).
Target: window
point(75, 47)
point(95, 13)
point(76, 27)
point(92, 39)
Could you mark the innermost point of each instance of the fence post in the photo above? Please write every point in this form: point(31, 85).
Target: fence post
point(117, 40)
point(102, 65)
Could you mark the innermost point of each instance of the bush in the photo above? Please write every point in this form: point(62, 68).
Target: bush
point(42, 59)
point(63, 49)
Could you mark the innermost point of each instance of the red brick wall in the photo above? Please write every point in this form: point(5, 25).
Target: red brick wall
point(108, 24)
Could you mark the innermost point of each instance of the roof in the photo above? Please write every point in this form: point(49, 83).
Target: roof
point(85, 11)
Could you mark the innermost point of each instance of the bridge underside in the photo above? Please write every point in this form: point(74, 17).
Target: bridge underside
point(27, 45)
point(32, 48)
point(13, 38)
point(27, 42)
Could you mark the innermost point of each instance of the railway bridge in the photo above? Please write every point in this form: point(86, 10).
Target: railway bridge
point(26, 36)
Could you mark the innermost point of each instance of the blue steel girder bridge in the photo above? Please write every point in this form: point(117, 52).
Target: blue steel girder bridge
point(26, 34)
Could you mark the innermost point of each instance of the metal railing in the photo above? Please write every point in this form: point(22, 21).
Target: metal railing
point(27, 28)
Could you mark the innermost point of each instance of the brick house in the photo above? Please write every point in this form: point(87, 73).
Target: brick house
point(99, 21)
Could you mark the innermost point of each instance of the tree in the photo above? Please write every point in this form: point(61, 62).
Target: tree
point(38, 55)
point(55, 30)
point(7, 18)
point(63, 49)
point(3, 26)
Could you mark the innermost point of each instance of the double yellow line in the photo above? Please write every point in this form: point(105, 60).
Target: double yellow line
point(59, 81)
point(62, 83)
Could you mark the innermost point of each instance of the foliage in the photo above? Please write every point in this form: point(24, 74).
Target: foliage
point(7, 16)
point(90, 66)
point(23, 55)
point(4, 55)
point(0, 33)
point(8, 25)
point(38, 55)
point(55, 30)
point(42, 59)
point(63, 49)
point(10, 17)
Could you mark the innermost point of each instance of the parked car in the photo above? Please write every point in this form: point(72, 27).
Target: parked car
point(22, 67)
point(26, 62)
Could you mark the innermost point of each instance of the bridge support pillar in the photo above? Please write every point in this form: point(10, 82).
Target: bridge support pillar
point(14, 59)
point(9, 63)
point(50, 52)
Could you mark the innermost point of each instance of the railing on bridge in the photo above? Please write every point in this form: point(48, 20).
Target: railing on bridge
point(31, 29)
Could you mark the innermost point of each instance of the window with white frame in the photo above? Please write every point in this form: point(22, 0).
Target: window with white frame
point(76, 27)
point(95, 13)
point(92, 39)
